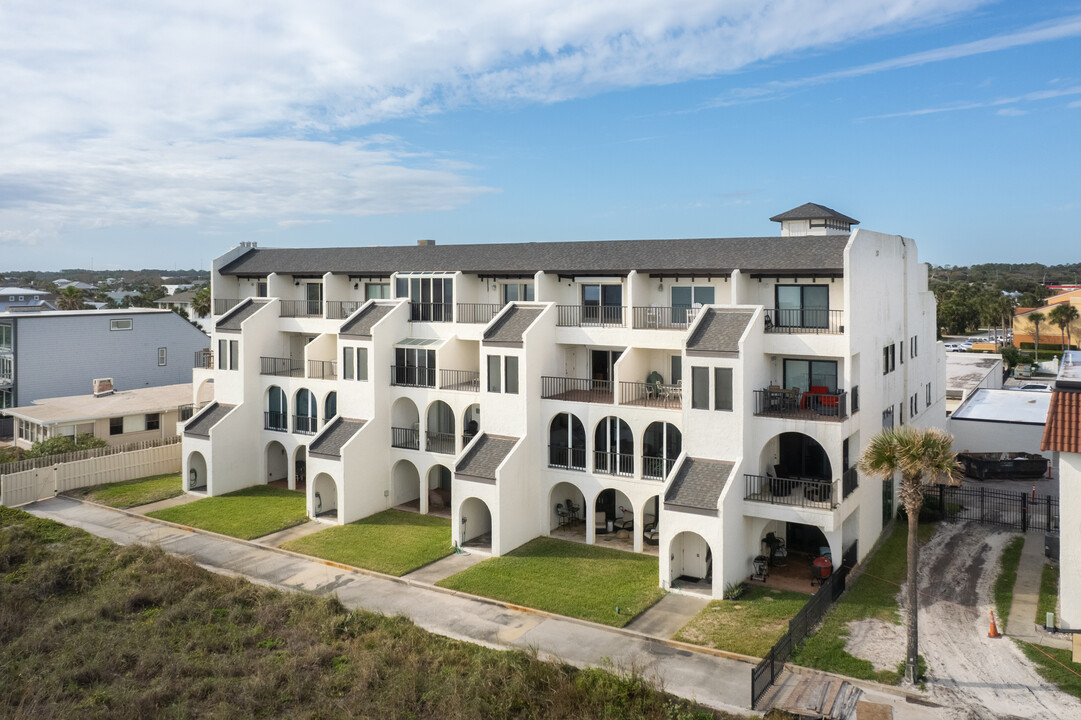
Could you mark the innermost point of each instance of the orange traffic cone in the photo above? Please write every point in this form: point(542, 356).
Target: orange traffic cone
point(994, 629)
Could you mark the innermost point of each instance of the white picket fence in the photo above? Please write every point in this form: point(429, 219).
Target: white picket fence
point(44, 482)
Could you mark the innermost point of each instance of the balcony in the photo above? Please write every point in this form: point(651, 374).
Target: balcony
point(341, 309)
point(656, 468)
point(464, 380)
point(565, 458)
point(478, 312)
point(663, 318)
point(797, 320)
point(612, 463)
point(277, 421)
point(183, 412)
point(795, 492)
point(431, 312)
point(576, 389)
point(224, 305)
point(282, 367)
point(656, 395)
point(305, 424)
point(439, 442)
point(301, 308)
point(778, 402)
point(406, 438)
point(322, 370)
point(412, 376)
point(590, 315)
point(204, 359)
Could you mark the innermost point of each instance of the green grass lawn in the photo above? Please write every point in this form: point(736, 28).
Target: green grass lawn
point(866, 597)
point(245, 514)
point(392, 542)
point(1002, 590)
point(132, 493)
point(749, 625)
point(1067, 678)
point(568, 578)
point(1048, 600)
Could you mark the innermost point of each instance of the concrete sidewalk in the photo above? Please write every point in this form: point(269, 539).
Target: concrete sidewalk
point(1021, 623)
point(713, 681)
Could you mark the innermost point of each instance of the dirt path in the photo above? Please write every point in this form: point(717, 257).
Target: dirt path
point(979, 678)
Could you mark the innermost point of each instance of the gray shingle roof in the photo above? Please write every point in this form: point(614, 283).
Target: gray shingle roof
point(330, 441)
point(719, 331)
point(210, 416)
point(361, 325)
point(231, 322)
point(484, 457)
point(511, 324)
point(698, 484)
point(701, 255)
point(813, 211)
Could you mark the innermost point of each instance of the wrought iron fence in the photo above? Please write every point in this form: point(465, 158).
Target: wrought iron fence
point(275, 420)
point(656, 468)
point(283, 367)
point(431, 312)
point(478, 312)
point(800, 492)
point(322, 370)
point(412, 376)
point(590, 315)
point(999, 508)
point(678, 317)
point(807, 406)
point(566, 458)
point(301, 308)
point(439, 442)
point(305, 424)
point(613, 463)
point(407, 438)
point(467, 380)
point(576, 389)
point(341, 309)
point(804, 320)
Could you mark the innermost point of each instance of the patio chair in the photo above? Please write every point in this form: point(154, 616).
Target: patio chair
point(572, 510)
point(562, 514)
point(650, 535)
point(600, 522)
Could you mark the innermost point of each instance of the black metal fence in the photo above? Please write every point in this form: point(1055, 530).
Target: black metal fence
point(412, 376)
point(990, 506)
point(590, 315)
point(478, 312)
point(406, 438)
point(766, 672)
point(341, 309)
point(439, 442)
point(467, 380)
point(323, 369)
point(804, 320)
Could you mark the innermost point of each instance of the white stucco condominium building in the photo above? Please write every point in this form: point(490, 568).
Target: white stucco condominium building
point(684, 397)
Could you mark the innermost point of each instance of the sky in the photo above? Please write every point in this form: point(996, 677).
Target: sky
point(160, 134)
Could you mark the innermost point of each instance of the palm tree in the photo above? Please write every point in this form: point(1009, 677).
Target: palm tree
point(70, 298)
point(1036, 318)
point(1062, 315)
point(922, 456)
point(200, 302)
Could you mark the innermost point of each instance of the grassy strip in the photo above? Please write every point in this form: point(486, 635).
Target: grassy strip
point(89, 629)
point(245, 514)
point(568, 578)
point(750, 625)
point(1002, 590)
point(392, 542)
point(132, 493)
point(1048, 600)
point(1067, 680)
point(872, 595)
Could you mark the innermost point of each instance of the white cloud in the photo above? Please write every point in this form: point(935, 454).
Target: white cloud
point(199, 111)
point(997, 102)
point(1011, 112)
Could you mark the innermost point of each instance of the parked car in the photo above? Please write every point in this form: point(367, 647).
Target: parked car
point(1035, 387)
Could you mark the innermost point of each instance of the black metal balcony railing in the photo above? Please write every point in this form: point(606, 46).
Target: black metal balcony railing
point(224, 305)
point(590, 315)
point(341, 309)
point(412, 376)
point(282, 367)
point(803, 406)
point(273, 420)
point(566, 458)
point(322, 370)
point(657, 468)
point(613, 463)
point(466, 439)
point(305, 424)
point(204, 359)
point(799, 320)
point(798, 492)
point(431, 312)
point(439, 442)
point(651, 395)
point(850, 480)
point(576, 389)
point(478, 312)
point(679, 317)
point(467, 380)
point(301, 308)
point(187, 412)
point(406, 438)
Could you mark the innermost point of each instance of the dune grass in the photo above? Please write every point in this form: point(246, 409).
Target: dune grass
point(245, 514)
point(750, 625)
point(568, 578)
point(394, 542)
point(132, 493)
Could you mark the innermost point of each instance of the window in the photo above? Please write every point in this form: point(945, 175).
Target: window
point(5, 337)
point(913, 404)
point(913, 347)
point(401, 287)
point(889, 359)
point(362, 363)
point(804, 306)
point(677, 369)
point(567, 442)
point(7, 368)
point(116, 426)
point(700, 388)
point(120, 324)
point(153, 421)
point(377, 291)
point(902, 352)
point(685, 297)
point(807, 374)
point(22, 298)
point(163, 356)
point(493, 373)
point(901, 413)
point(431, 298)
point(887, 417)
point(413, 367)
point(223, 354)
point(511, 372)
point(234, 354)
point(602, 304)
point(722, 388)
point(347, 363)
point(5, 399)
point(855, 398)
point(928, 398)
point(330, 405)
point(517, 291)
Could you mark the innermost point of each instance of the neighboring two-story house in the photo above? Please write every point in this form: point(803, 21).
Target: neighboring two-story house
point(690, 395)
point(25, 299)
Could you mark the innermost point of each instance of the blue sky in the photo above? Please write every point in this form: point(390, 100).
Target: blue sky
point(159, 135)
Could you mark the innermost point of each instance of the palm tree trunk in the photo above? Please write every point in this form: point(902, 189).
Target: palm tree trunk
point(912, 653)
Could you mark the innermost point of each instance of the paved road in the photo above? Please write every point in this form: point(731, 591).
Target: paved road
point(712, 681)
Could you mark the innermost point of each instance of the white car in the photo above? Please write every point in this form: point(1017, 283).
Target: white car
point(1034, 387)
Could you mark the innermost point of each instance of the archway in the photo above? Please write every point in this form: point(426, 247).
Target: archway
point(439, 485)
point(567, 508)
point(661, 445)
point(300, 469)
point(324, 497)
point(650, 526)
point(567, 442)
point(330, 406)
point(405, 487)
point(613, 447)
point(613, 519)
point(795, 470)
point(470, 423)
point(196, 471)
point(404, 425)
point(476, 524)
point(439, 430)
point(306, 420)
point(277, 463)
point(691, 562)
point(277, 410)
point(204, 394)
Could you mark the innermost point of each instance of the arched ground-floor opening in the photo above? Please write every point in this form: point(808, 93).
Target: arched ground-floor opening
point(650, 526)
point(325, 497)
point(476, 522)
point(196, 475)
point(299, 480)
point(405, 487)
point(566, 512)
point(439, 497)
point(276, 462)
point(691, 565)
point(795, 556)
point(612, 513)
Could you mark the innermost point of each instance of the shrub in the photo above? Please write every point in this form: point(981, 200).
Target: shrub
point(64, 444)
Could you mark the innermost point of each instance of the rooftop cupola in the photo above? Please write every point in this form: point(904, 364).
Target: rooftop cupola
point(813, 219)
